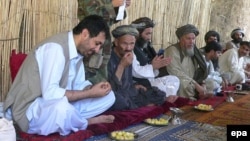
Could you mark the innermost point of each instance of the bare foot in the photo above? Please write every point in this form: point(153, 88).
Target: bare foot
point(101, 119)
point(151, 104)
point(171, 98)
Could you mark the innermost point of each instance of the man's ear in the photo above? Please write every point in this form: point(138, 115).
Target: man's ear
point(116, 42)
point(85, 33)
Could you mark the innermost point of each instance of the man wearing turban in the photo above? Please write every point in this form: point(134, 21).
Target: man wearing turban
point(151, 63)
point(237, 36)
point(96, 65)
point(128, 95)
point(211, 36)
point(188, 64)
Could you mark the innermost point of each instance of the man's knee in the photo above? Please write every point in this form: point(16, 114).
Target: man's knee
point(63, 108)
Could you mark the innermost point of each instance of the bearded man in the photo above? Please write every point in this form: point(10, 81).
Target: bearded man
point(188, 64)
point(129, 95)
point(237, 36)
point(152, 65)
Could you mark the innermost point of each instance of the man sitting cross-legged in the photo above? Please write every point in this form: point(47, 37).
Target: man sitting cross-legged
point(128, 95)
point(152, 65)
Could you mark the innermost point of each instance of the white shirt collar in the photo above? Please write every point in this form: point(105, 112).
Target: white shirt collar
point(72, 47)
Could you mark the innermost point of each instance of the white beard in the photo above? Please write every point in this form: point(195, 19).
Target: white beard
point(189, 52)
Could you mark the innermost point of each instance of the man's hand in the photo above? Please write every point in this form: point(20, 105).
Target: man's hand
point(200, 89)
point(117, 3)
point(171, 98)
point(160, 61)
point(247, 73)
point(138, 86)
point(100, 89)
point(127, 59)
point(91, 91)
point(224, 83)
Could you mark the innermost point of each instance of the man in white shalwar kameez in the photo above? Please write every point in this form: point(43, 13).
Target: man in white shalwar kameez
point(214, 81)
point(50, 93)
point(146, 63)
point(168, 84)
point(231, 63)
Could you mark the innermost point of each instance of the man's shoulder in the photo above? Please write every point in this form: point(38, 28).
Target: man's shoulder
point(56, 38)
point(202, 50)
point(230, 45)
point(172, 47)
point(229, 52)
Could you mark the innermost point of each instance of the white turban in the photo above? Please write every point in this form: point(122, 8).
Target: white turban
point(237, 30)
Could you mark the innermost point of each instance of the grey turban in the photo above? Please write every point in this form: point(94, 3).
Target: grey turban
point(124, 30)
point(237, 30)
point(185, 30)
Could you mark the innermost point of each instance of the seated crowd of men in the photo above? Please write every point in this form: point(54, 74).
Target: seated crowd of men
point(61, 98)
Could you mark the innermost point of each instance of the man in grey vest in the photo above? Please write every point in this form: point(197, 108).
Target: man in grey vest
point(50, 93)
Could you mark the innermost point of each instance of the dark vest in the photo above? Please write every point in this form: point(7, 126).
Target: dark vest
point(144, 57)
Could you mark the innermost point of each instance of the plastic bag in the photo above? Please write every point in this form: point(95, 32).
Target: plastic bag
point(7, 130)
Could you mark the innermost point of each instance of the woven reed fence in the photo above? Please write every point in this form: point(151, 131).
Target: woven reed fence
point(23, 23)
point(169, 15)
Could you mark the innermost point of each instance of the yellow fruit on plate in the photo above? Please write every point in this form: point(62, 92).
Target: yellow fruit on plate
point(204, 107)
point(155, 121)
point(122, 135)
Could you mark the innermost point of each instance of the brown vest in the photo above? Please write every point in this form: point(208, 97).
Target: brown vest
point(26, 86)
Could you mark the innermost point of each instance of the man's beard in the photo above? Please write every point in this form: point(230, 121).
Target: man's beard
point(141, 42)
point(189, 52)
point(237, 40)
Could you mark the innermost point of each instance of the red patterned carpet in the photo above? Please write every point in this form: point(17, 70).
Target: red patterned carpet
point(224, 114)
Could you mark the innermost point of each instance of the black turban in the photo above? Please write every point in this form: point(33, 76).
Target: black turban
point(188, 28)
point(142, 23)
point(212, 33)
point(124, 30)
